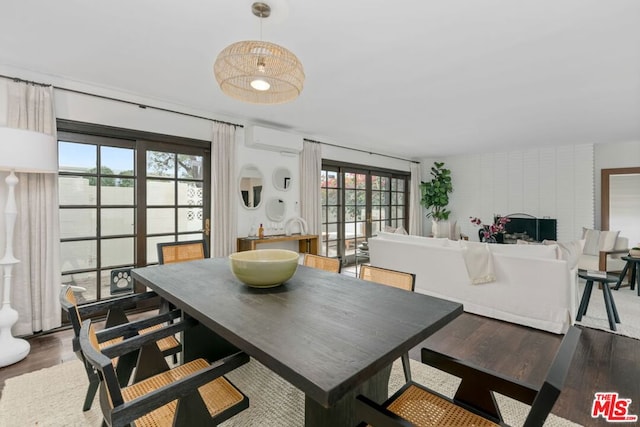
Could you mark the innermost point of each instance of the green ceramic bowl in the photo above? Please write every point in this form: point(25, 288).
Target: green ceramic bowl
point(264, 268)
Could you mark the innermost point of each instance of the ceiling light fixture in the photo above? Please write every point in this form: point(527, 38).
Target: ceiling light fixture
point(257, 71)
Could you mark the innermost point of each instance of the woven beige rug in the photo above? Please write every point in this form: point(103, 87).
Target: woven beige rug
point(54, 396)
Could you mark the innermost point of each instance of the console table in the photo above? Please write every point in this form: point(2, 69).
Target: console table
point(307, 243)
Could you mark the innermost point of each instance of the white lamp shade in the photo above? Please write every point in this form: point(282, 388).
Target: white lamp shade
point(27, 151)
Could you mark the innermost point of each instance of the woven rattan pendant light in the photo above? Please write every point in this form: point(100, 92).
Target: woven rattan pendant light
point(259, 72)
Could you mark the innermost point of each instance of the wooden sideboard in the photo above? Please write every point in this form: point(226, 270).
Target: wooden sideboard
point(307, 243)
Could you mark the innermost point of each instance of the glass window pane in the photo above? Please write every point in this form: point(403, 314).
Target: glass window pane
point(75, 190)
point(152, 247)
point(333, 197)
point(332, 179)
point(361, 197)
point(333, 214)
point(349, 197)
point(375, 212)
point(190, 193)
point(323, 196)
point(87, 281)
point(375, 198)
point(160, 220)
point(117, 252)
point(118, 160)
point(160, 192)
point(189, 219)
point(349, 180)
point(189, 166)
point(78, 255)
point(361, 181)
point(401, 198)
point(400, 212)
point(375, 182)
point(385, 183)
point(117, 221)
point(160, 164)
point(76, 223)
point(117, 191)
point(349, 213)
point(79, 158)
point(186, 237)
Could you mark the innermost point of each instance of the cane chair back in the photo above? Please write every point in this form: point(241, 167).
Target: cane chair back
point(322, 262)
point(396, 279)
point(474, 402)
point(116, 316)
point(384, 276)
point(209, 398)
point(172, 252)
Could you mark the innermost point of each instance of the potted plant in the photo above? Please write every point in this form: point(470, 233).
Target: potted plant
point(435, 197)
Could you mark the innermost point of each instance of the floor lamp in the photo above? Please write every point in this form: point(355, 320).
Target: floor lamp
point(20, 151)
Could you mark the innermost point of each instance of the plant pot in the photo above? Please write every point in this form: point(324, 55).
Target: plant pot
point(634, 253)
point(440, 228)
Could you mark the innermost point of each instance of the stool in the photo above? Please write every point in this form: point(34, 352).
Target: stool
point(632, 263)
point(609, 303)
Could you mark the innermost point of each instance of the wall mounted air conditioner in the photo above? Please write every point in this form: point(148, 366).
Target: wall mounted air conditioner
point(272, 139)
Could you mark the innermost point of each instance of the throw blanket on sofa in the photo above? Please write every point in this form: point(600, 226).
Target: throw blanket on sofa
point(479, 262)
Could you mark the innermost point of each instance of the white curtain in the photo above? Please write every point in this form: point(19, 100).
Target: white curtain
point(224, 221)
point(415, 208)
point(311, 168)
point(36, 284)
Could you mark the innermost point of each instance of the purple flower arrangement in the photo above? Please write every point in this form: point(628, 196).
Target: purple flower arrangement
point(489, 232)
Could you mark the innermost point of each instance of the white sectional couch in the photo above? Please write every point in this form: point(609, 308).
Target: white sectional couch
point(532, 287)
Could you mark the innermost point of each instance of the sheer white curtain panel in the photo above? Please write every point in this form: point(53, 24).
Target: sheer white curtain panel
point(224, 223)
point(311, 168)
point(37, 240)
point(415, 208)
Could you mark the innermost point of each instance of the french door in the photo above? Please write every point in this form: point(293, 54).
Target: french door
point(357, 202)
point(119, 197)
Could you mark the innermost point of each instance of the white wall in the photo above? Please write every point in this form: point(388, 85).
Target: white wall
point(554, 182)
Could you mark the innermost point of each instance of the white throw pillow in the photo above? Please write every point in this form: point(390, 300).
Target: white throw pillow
point(596, 241)
point(400, 230)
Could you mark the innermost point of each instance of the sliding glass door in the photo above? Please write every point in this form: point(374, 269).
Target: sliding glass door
point(357, 202)
point(119, 197)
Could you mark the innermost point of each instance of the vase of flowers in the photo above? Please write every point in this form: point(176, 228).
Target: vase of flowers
point(491, 233)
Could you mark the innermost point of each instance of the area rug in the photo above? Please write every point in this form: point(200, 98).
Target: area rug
point(54, 396)
point(628, 305)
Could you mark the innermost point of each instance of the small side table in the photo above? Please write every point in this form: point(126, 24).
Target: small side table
point(632, 263)
point(609, 303)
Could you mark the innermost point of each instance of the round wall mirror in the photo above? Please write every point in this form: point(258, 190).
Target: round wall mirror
point(251, 186)
point(282, 179)
point(276, 209)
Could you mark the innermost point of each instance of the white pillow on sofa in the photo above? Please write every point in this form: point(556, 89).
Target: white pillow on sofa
point(596, 241)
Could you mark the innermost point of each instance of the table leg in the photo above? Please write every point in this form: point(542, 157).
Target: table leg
point(635, 275)
point(584, 302)
point(613, 306)
point(343, 412)
point(607, 305)
point(622, 274)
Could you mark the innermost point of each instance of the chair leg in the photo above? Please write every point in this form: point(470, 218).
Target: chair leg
point(94, 382)
point(406, 367)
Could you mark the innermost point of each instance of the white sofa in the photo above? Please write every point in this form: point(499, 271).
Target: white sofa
point(532, 287)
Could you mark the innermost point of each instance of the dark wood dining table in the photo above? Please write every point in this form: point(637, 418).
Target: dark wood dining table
point(330, 335)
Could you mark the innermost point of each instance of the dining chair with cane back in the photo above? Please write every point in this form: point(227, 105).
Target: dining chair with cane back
point(474, 402)
point(397, 279)
point(194, 393)
point(189, 250)
point(116, 319)
point(322, 262)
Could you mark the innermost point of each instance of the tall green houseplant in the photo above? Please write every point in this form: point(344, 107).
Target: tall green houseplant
point(435, 193)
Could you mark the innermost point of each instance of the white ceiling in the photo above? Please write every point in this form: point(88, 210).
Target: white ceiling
point(410, 78)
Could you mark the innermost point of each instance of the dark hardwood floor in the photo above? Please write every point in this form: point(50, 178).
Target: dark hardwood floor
point(603, 361)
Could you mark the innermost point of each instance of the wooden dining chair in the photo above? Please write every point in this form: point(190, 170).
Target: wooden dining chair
point(190, 250)
point(322, 262)
point(115, 316)
point(193, 394)
point(397, 279)
point(474, 402)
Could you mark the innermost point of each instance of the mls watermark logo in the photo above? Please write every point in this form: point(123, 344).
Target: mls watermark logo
point(612, 408)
